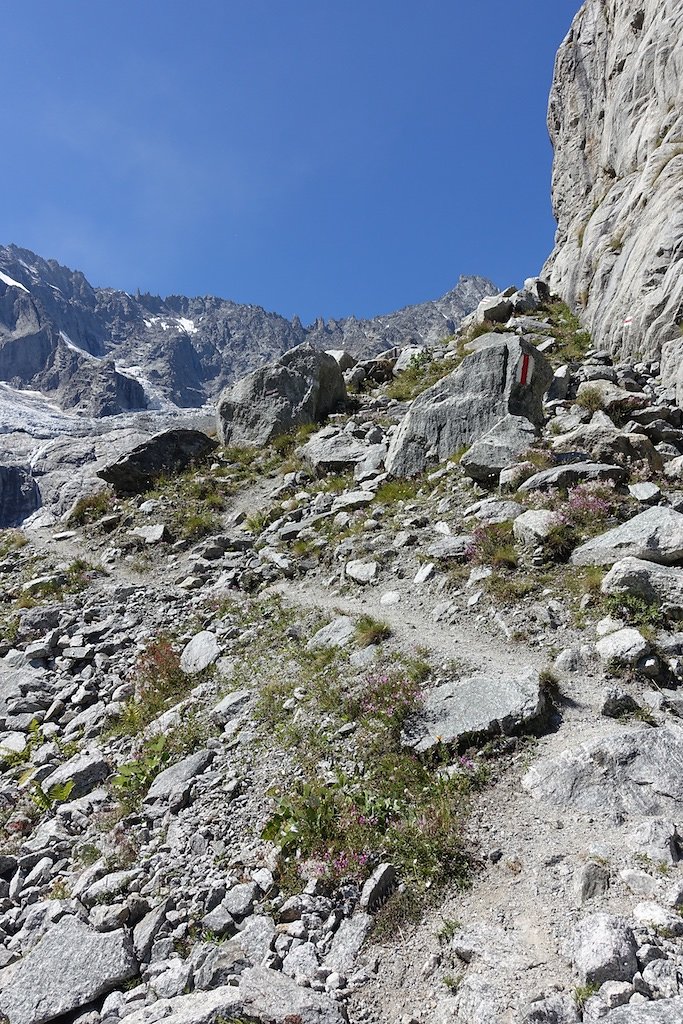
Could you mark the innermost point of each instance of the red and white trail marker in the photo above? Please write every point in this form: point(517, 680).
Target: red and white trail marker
point(525, 369)
point(628, 321)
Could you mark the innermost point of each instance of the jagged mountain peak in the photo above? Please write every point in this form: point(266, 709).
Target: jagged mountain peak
point(55, 327)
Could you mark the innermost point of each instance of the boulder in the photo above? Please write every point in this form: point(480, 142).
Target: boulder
point(168, 452)
point(344, 359)
point(70, 967)
point(494, 308)
point(446, 548)
point(334, 451)
point(337, 633)
point(636, 772)
point(85, 770)
point(173, 785)
point(302, 387)
point(493, 511)
point(201, 651)
point(499, 449)
point(663, 1011)
point(411, 354)
point(534, 526)
point(613, 399)
point(555, 1009)
point(654, 583)
point(377, 887)
point(456, 411)
point(153, 534)
point(603, 442)
point(361, 572)
point(623, 647)
point(646, 493)
point(347, 942)
point(655, 535)
point(573, 474)
point(604, 949)
point(476, 706)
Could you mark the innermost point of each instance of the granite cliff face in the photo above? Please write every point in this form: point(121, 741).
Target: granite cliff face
point(616, 122)
point(102, 351)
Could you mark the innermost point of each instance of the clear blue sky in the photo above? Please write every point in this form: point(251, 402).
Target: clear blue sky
point(313, 157)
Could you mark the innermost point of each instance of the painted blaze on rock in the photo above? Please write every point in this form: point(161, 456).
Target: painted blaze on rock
point(456, 411)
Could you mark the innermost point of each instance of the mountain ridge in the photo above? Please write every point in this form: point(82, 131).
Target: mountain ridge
point(104, 351)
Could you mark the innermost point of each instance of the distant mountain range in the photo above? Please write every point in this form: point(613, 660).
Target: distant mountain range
point(102, 351)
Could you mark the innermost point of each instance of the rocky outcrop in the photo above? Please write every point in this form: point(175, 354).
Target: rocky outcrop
point(168, 452)
point(655, 535)
point(302, 387)
point(69, 968)
point(505, 377)
point(616, 123)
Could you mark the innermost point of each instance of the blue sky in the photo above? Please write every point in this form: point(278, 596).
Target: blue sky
point(309, 156)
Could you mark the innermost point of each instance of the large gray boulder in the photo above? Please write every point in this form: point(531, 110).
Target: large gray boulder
point(499, 448)
point(70, 967)
point(302, 387)
point(604, 442)
point(168, 452)
point(85, 770)
point(655, 535)
point(660, 584)
point(635, 772)
point(476, 706)
point(458, 410)
point(571, 475)
point(262, 995)
point(663, 1011)
point(604, 949)
point(333, 451)
point(174, 784)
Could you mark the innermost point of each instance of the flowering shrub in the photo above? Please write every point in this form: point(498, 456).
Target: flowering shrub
point(588, 504)
point(392, 805)
point(390, 698)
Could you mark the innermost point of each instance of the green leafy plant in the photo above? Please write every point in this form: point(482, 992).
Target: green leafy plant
point(572, 340)
point(448, 930)
point(397, 490)
point(46, 799)
point(11, 540)
point(160, 684)
point(582, 993)
point(134, 778)
point(34, 739)
point(636, 610)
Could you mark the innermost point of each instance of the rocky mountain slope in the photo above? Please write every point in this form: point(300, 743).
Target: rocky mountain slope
point(102, 352)
point(287, 740)
point(616, 122)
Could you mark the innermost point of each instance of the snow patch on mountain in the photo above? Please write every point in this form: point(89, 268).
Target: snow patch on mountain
point(12, 283)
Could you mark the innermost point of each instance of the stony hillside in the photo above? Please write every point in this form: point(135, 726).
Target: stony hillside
point(288, 739)
point(616, 123)
point(102, 352)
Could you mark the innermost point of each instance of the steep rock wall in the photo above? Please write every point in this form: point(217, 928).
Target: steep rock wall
point(616, 122)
